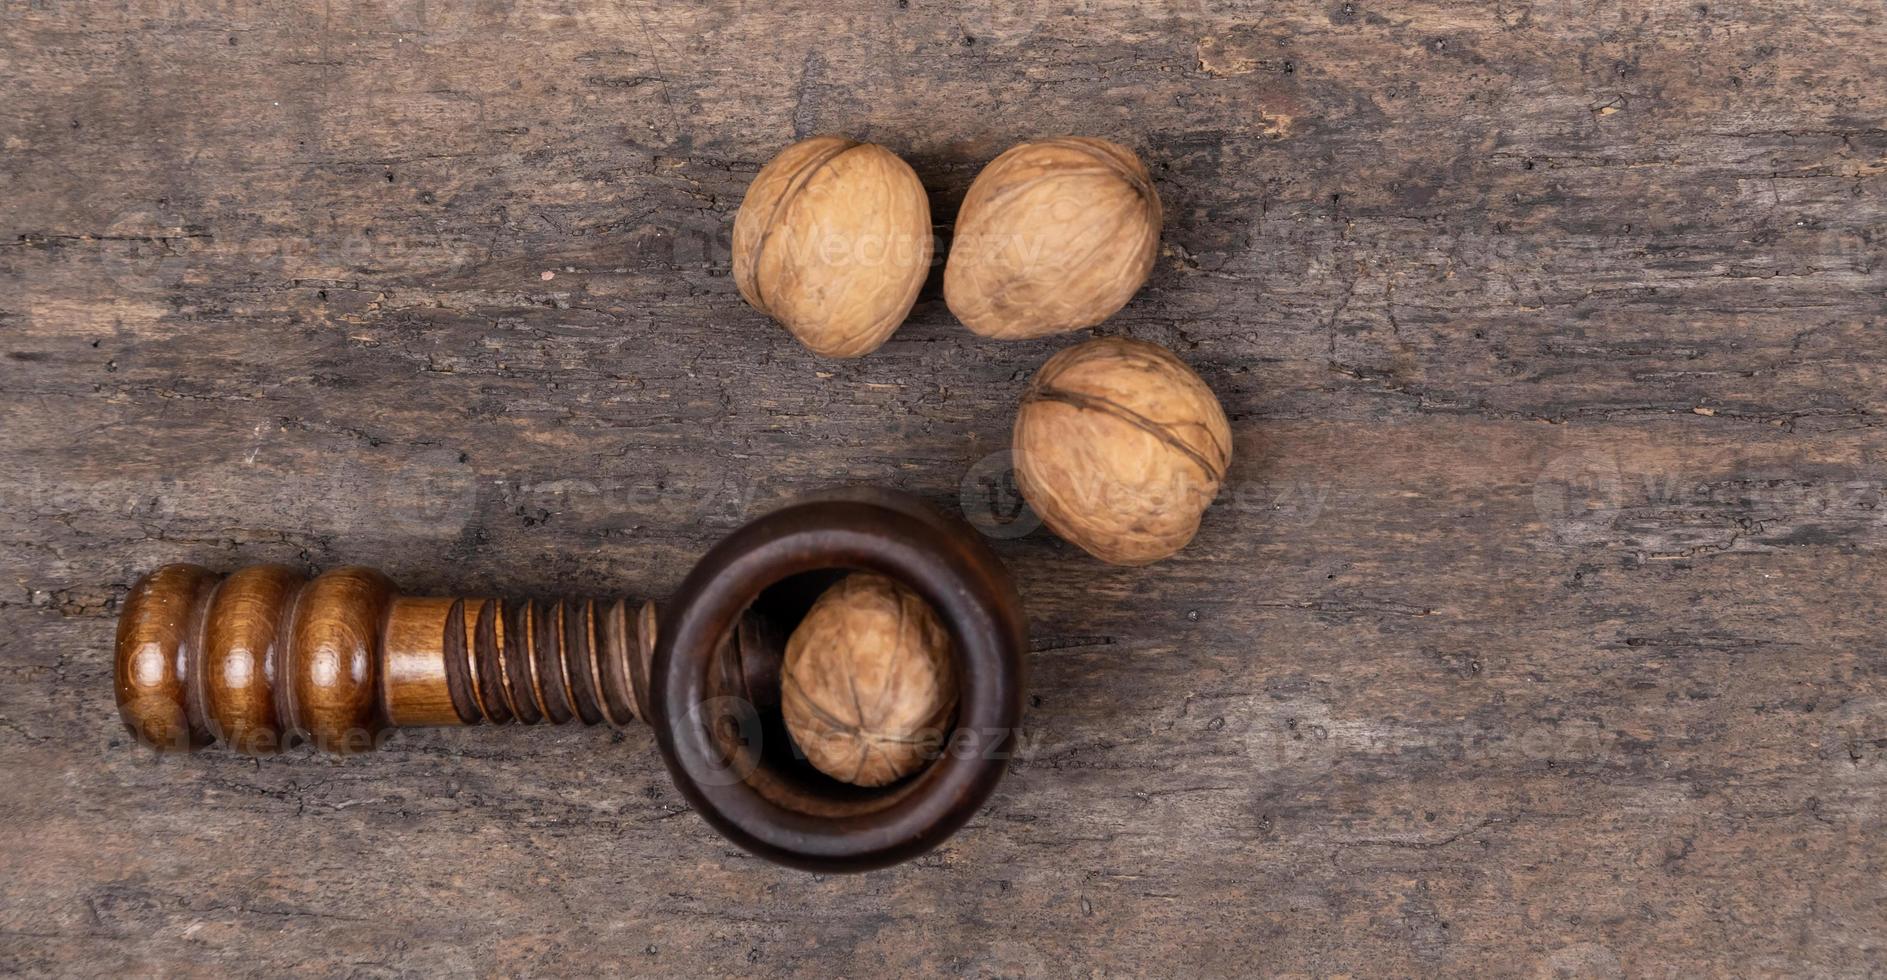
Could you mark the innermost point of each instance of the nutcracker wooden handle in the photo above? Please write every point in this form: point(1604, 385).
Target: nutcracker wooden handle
point(266, 657)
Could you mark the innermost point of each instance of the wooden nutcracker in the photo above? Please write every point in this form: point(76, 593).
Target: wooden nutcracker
point(266, 658)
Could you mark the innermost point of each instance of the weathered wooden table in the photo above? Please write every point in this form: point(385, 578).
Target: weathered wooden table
point(1540, 630)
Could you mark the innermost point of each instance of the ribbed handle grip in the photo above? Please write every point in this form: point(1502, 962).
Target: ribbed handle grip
point(546, 661)
point(265, 657)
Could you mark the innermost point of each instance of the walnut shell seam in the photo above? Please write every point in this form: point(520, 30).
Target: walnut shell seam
point(794, 185)
point(1132, 175)
point(926, 732)
point(1079, 400)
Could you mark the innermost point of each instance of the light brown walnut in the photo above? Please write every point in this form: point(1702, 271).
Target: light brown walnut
point(833, 240)
point(1120, 448)
point(1053, 235)
point(869, 686)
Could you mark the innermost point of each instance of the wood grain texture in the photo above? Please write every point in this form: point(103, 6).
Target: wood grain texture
point(1538, 629)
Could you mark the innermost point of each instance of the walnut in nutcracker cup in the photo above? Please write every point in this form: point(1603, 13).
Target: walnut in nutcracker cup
point(869, 686)
point(1054, 235)
point(833, 240)
point(1120, 448)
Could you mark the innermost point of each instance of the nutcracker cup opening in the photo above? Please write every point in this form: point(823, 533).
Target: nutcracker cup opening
point(717, 716)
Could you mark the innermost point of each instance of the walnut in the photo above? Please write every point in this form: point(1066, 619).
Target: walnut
point(1120, 448)
point(833, 241)
point(869, 685)
point(1053, 235)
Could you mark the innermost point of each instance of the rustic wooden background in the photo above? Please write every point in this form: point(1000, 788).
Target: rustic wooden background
point(1539, 632)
